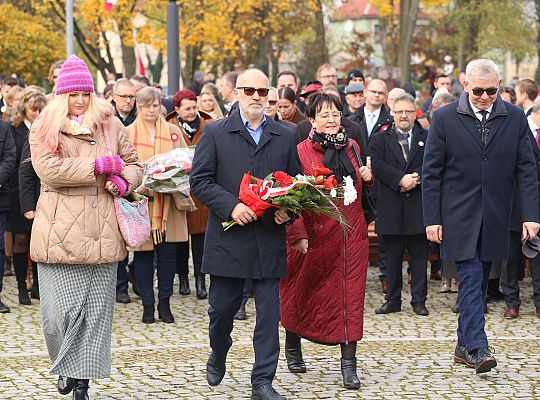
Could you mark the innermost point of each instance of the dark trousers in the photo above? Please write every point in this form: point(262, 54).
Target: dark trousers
point(511, 271)
point(417, 247)
point(122, 276)
point(381, 251)
point(197, 248)
point(473, 277)
point(3, 216)
point(225, 297)
point(166, 268)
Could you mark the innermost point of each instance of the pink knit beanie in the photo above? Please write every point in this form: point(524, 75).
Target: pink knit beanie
point(74, 76)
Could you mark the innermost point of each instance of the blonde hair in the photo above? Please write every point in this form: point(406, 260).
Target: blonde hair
point(49, 123)
point(216, 112)
point(31, 96)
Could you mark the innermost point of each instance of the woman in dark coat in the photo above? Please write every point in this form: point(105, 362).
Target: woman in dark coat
point(322, 298)
point(287, 106)
point(28, 109)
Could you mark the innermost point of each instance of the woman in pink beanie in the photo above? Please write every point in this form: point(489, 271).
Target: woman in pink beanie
point(83, 156)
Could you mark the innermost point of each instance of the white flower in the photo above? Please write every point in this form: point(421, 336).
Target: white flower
point(333, 193)
point(349, 193)
point(302, 178)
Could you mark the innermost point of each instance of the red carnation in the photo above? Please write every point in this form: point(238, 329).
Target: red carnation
point(330, 183)
point(319, 169)
point(384, 127)
point(283, 179)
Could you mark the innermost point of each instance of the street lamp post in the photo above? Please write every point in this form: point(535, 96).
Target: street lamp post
point(173, 48)
point(70, 47)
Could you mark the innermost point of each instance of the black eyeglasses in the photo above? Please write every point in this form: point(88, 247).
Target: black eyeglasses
point(126, 96)
point(490, 91)
point(272, 102)
point(250, 91)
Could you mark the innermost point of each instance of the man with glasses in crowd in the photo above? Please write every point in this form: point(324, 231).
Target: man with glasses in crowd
point(124, 94)
point(478, 152)
point(327, 75)
point(247, 141)
point(396, 157)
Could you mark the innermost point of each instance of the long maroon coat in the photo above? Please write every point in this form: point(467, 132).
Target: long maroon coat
point(322, 298)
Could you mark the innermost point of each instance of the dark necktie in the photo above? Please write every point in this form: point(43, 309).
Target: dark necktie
point(483, 131)
point(404, 142)
point(538, 137)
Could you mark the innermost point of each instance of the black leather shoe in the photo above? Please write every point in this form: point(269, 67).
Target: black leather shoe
point(266, 392)
point(80, 392)
point(483, 360)
point(462, 356)
point(200, 286)
point(293, 354)
point(241, 313)
point(420, 309)
point(215, 370)
point(164, 311)
point(123, 298)
point(65, 385)
point(455, 307)
point(148, 314)
point(348, 371)
point(388, 308)
point(184, 285)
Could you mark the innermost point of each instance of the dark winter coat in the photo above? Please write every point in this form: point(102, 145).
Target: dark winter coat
point(225, 152)
point(384, 121)
point(467, 186)
point(397, 213)
point(29, 183)
point(322, 298)
point(7, 165)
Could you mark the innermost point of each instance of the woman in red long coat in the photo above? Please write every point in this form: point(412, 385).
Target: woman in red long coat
point(322, 298)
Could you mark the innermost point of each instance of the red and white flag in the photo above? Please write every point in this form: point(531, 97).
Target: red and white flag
point(109, 4)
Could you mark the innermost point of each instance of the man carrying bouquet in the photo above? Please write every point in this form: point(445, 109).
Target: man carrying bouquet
point(246, 141)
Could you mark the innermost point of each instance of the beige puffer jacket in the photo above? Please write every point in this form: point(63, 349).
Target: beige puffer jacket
point(75, 221)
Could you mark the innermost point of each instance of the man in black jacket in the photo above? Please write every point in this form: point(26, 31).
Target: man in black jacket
point(246, 141)
point(397, 157)
point(124, 94)
point(7, 166)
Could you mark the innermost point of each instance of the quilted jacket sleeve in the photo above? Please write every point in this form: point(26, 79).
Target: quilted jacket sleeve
point(56, 171)
point(133, 169)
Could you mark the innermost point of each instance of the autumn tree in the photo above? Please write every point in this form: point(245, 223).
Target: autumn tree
point(29, 44)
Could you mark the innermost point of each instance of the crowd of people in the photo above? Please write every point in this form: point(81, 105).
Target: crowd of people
point(444, 200)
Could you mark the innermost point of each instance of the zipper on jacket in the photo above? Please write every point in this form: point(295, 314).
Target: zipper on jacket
point(344, 280)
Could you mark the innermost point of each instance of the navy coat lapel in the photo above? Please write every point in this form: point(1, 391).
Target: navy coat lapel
point(267, 134)
point(394, 145)
point(236, 126)
point(499, 110)
point(467, 118)
point(418, 136)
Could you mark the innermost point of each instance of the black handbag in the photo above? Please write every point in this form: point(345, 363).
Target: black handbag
point(369, 202)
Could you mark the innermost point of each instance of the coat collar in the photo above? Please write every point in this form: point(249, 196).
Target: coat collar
point(236, 126)
point(498, 110)
point(73, 128)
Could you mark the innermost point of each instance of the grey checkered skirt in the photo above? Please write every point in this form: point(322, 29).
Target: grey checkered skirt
point(77, 305)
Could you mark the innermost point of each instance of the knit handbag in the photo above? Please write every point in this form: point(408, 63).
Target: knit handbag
point(132, 216)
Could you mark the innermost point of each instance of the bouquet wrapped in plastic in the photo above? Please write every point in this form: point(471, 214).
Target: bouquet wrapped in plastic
point(169, 172)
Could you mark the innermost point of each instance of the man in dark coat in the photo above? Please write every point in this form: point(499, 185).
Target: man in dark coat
point(7, 166)
point(396, 157)
point(510, 271)
point(124, 94)
point(476, 149)
point(246, 141)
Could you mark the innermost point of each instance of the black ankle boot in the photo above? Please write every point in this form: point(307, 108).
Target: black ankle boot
point(65, 384)
point(184, 285)
point(23, 295)
point(164, 311)
point(200, 286)
point(348, 371)
point(293, 354)
point(34, 292)
point(8, 266)
point(80, 392)
point(148, 314)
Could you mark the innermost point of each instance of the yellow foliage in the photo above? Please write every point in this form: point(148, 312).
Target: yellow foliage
point(29, 44)
point(390, 8)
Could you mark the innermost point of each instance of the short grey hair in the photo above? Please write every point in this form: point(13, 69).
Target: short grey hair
point(536, 106)
point(406, 98)
point(273, 90)
point(122, 82)
point(443, 99)
point(482, 68)
point(147, 95)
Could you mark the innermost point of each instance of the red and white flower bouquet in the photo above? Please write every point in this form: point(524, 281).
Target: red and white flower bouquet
point(312, 193)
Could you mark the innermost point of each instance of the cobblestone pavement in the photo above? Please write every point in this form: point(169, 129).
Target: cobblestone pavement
point(403, 356)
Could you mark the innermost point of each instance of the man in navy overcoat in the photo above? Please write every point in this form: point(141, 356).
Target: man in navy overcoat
point(246, 141)
point(477, 148)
